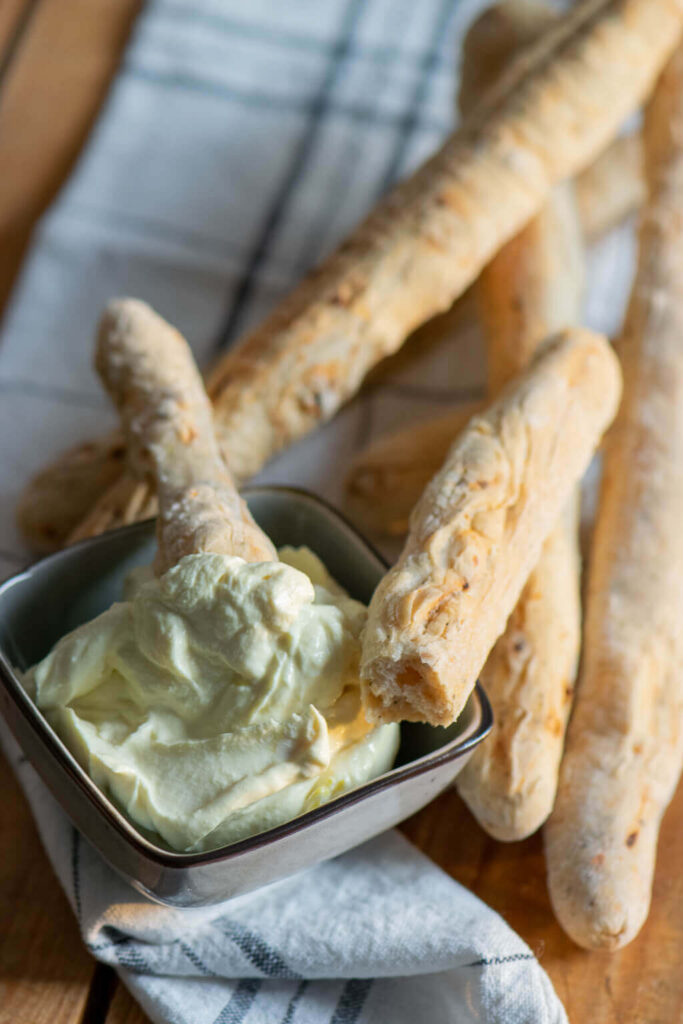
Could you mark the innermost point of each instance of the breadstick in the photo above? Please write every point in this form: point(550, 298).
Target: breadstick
point(125, 501)
point(611, 188)
point(478, 529)
point(498, 34)
point(608, 190)
point(510, 781)
point(148, 370)
point(625, 741)
point(57, 498)
point(428, 240)
point(532, 288)
point(385, 481)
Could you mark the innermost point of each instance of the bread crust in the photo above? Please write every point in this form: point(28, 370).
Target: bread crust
point(148, 370)
point(625, 741)
point(125, 501)
point(478, 530)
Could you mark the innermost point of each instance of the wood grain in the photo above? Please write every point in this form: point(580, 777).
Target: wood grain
point(56, 58)
point(14, 18)
point(640, 984)
point(124, 1009)
point(45, 970)
point(49, 95)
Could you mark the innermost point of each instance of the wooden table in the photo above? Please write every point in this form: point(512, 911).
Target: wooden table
point(56, 59)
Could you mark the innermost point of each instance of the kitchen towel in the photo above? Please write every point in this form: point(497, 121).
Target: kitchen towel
point(238, 144)
point(378, 936)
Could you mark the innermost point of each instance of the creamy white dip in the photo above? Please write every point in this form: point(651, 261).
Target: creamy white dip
point(220, 700)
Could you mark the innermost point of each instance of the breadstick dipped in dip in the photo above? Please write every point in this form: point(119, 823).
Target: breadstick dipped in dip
point(149, 372)
point(222, 697)
point(431, 236)
point(478, 529)
point(625, 741)
point(532, 287)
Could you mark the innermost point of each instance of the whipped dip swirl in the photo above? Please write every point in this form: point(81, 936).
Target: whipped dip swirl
point(219, 700)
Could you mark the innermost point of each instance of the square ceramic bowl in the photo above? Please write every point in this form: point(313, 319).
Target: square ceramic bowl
point(59, 593)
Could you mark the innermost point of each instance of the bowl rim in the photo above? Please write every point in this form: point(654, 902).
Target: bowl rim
point(115, 818)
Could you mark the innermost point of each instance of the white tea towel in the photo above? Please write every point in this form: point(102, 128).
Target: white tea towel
point(239, 143)
point(379, 935)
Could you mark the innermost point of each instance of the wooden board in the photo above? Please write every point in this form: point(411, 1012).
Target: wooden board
point(60, 55)
point(57, 78)
point(124, 1009)
point(57, 58)
point(45, 971)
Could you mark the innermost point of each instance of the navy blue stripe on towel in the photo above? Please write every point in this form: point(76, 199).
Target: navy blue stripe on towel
point(354, 111)
point(288, 40)
point(490, 961)
point(258, 952)
point(240, 1002)
point(351, 1001)
point(275, 214)
point(294, 1002)
point(411, 119)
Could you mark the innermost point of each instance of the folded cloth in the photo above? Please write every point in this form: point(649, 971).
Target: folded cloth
point(238, 144)
point(380, 934)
